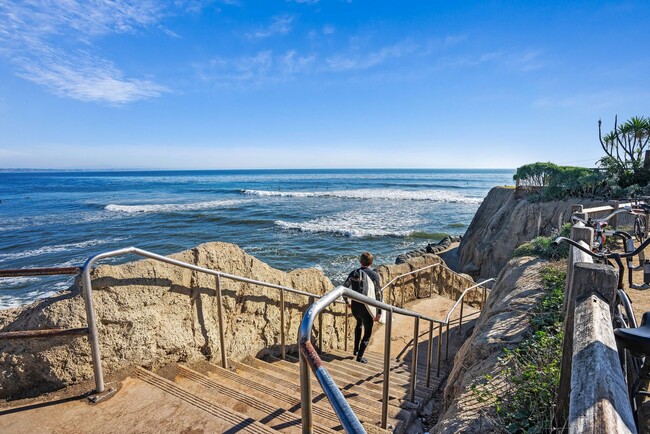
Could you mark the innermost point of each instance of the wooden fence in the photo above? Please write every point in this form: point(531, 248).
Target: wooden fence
point(593, 395)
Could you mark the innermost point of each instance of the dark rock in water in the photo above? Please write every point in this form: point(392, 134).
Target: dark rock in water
point(435, 248)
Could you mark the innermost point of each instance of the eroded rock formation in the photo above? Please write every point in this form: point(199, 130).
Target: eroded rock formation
point(502, 324)
point(503, 222)
point(150, 314)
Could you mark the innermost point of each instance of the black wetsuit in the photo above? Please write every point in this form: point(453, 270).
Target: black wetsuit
point(360, 311)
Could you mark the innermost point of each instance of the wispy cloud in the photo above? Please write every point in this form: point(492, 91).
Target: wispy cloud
point(359, 60)
point(262, 67)
point(51, 43)
point(307, 2)
point(87, 78)
point(521, 61)
point(280, 25)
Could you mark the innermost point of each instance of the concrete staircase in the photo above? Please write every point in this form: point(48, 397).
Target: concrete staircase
point(256, 396)
point(268, 391)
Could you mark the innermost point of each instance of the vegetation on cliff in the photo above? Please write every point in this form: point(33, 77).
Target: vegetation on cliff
point(530, 373)
point(623, 172)
point(542, 247)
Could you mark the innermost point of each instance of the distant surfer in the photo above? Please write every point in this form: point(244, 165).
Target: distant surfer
point(365, 281)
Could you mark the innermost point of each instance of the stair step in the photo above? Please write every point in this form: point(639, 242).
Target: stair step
point(362, 381)
point(263, 410)
point(352, 395)
point(234, 420)
point(367, 409)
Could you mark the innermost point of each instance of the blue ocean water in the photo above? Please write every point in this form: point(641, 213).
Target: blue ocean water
point(287, 218)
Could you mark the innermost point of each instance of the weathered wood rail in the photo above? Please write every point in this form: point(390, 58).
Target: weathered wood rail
point(593, 395)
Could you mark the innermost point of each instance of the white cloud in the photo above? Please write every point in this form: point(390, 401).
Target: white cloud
point(357, 60)
point(328, 30)
point(86, 78)
point(264, 66)
point(280, 25)
point(50, 43)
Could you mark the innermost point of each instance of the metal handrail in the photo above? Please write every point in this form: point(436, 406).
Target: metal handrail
point(460, 319)
point(41, 333)
point(396, 278)
point(309, 357)
point(90, 314)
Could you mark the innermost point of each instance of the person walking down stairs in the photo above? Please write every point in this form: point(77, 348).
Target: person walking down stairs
point(365, 281)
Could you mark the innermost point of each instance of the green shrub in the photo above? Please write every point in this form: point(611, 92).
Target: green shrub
point(542, 247)
point(530, 374)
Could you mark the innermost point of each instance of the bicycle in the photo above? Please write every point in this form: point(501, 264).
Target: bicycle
point(600, 233)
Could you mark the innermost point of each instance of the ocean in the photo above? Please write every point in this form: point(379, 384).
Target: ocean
point(286, 218)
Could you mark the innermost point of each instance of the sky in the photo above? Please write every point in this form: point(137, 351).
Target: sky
point(236, 84)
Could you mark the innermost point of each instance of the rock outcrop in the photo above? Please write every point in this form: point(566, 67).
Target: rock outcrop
point(434, 248)
point(150, 314)
point(503, 324)
point(503, 222)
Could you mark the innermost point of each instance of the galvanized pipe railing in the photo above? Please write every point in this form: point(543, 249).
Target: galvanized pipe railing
point(402, 276)
point(310, 359)
point(90, 313)
point(447, 320)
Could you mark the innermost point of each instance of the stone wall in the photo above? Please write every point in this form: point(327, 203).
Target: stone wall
point(441, 280)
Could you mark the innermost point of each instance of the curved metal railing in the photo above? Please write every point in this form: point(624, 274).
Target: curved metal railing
point(90, 313)
point(309, 357)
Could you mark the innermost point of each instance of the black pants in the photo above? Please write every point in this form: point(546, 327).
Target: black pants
point(365, 321)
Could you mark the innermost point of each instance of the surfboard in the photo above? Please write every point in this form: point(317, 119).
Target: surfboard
point(372, 293)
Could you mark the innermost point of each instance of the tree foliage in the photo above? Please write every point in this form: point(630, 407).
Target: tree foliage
point(625, 148)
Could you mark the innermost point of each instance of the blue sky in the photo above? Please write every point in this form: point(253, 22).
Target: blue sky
point(316, 84)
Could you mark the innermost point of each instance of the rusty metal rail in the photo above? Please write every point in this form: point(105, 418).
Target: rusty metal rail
point(41, 333)
point(26, 272)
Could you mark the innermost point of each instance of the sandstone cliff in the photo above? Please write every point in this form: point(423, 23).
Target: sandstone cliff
point(151, 314)
point(502, 223)
point(502, 324)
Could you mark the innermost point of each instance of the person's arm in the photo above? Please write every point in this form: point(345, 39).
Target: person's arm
point(348, 284)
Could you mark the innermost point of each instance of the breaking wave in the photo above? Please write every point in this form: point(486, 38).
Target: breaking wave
point(170, 207)
point(383, 194)
point(55, 249)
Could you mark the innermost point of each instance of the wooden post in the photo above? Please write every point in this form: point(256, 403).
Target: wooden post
point(579, 232)
point(598, 394)
point(587, 278)
point(613, 222)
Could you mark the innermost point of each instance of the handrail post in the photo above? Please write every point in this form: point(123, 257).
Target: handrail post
point(460, 319)
point(282, 338)
point(439, 349)
point(347, 335)
point(429, 353)
point(403, 289)
point(222, 332)
point(93, 335)
point(305, 395)
point(431, 284)
point(414, 355)
point(447, 343)
point(384, 394)
point(484, 296)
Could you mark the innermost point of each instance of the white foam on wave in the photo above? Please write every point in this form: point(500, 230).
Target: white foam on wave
point(55, 249)
point(170, 207)
point(382, 194)
point(355, 224)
